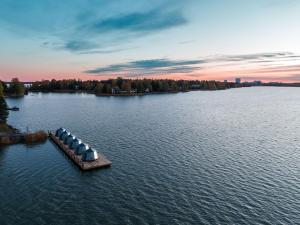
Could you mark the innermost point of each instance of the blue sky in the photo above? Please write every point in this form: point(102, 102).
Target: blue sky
point(97, 39)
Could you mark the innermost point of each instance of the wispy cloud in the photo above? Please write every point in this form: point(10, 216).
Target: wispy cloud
point(151, 66)
point(138, 22)
point(122, 28)
point(187, 42)
point(279, 69)
point(90, 25)
point(261, 63)
point(273, 56)
point(272, 78)
point(80, 45)
point(106, 51)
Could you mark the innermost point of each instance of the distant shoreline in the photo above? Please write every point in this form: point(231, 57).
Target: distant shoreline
point(115, 95)
point(120, 87)
point(137, 94)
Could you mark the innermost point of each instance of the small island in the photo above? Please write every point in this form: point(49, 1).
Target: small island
point(128, 87)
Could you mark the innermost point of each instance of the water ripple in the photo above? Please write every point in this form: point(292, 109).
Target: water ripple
point(226, 157)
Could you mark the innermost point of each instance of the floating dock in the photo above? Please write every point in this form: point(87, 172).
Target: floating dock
point(101, 162)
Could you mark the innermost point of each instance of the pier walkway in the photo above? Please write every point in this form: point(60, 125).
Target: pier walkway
point(101, 162)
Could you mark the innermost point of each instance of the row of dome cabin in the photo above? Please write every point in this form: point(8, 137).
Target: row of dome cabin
point(75, 144)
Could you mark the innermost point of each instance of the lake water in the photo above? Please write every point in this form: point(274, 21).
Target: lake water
point(222, 157)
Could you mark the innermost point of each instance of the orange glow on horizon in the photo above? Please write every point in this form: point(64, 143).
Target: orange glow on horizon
point(286, 74)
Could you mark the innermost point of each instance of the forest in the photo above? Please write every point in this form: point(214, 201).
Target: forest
point(128, 86)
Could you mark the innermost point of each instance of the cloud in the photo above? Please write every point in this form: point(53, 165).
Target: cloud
point(106, 51)
point(159, 63)
point(139, 22)
point(272, 78)
point(187, 42)
point(257, 57)
point(120, 29)
point(111, 68)
point(89, 25)
point(281, 69)
point(260, 63)
point(80, 45)
point(150, 66)
point(295, 77)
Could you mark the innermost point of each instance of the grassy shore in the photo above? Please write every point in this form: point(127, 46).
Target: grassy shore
point(10, 135)
point(36, 137)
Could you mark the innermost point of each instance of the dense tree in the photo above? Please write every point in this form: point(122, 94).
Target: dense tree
point(1, 90)
point(106, 88)
point(3, 106)
point(3, 87)
point(16, 87)
point(99, 88)
point(119, 81)
point(128, 85)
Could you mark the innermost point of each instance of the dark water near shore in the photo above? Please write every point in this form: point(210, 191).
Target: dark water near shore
point(225, 157)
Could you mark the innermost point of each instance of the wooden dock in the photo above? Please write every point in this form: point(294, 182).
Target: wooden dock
point(101, 162)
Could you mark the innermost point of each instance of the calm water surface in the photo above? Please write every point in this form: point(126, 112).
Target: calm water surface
point(224, 157)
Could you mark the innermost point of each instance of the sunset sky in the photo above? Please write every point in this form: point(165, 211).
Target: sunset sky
point(180, 39)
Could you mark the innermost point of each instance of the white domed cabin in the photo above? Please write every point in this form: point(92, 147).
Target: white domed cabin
point(74, 144)
point(90, 155)
point(81, 149)
point(84, 156)
point(59, 131)
point(69, 139)
point(64, 135)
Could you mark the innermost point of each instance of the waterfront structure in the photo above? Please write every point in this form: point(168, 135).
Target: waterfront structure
point(59, 131)
point(90, 155)
point(257, 83)
point(81, 148)
point(69, 139)
point(133, 91)
point(115, 90)
point(253, 83)
point(64, 135)
point(238, 80)
point(75, 143)
point(118, 91)
point(91, 160)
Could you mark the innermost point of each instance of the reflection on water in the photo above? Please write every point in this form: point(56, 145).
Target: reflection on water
point(225, 157)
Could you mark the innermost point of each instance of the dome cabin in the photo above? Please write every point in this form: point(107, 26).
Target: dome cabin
point(74, 144)
point(90, 155)
point(64, 135)
point(59, 131)
point(81, 149)
point(69, 139)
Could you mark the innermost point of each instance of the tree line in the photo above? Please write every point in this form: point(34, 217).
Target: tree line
point(14, 88)
point(120, 85)
point(3, 106)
